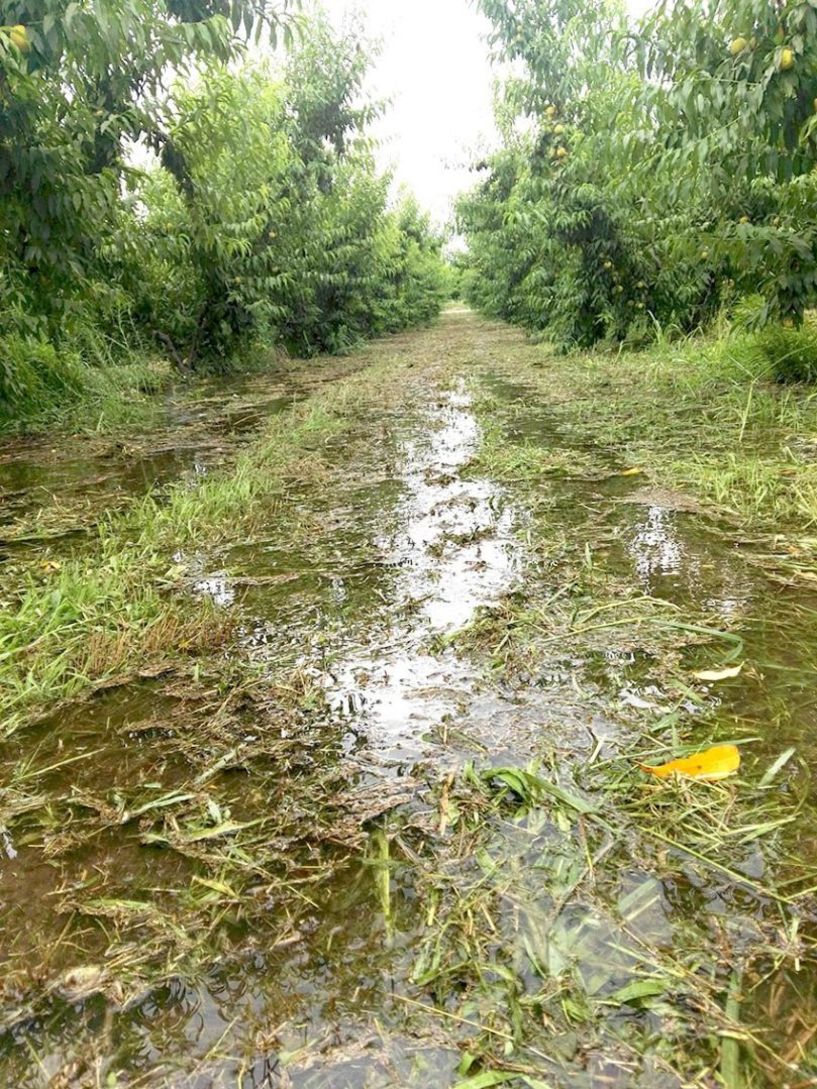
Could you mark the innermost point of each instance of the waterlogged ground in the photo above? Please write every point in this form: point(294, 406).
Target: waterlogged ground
point(390, 831)
point(52, 493)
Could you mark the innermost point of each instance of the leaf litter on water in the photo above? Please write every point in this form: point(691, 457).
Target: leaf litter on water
point(719, 762)
point(714, 675)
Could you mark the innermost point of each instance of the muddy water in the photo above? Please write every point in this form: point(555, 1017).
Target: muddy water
point(310, 987)
point(435, 544)
point(680, 556)
point(53, 491)
point(453, 548)
point(439, 543)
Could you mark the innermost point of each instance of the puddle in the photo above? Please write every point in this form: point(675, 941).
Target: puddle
point(453, 549)
point(434, 545)
point(394, 566)
point(248, 819)
point(53, 491)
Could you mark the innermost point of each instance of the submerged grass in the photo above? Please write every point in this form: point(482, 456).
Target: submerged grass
point(569, 920)
point(68, 627)
point(564, 922)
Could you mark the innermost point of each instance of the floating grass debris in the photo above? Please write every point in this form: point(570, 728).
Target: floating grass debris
point(351, 841)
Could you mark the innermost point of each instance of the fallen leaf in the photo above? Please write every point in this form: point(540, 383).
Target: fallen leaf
point(718, 674)
point(635, 992)
point(715, 763)
point(631, 472)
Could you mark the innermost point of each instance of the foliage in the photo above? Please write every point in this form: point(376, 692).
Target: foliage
point(278, 232)
point(77, 83)
point(790, 353)
point(261, 218)
point(650, 175)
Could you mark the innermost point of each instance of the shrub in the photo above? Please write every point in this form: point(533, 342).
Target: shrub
point(790, 351)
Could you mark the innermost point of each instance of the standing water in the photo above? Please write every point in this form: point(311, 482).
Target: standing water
point(326, 863)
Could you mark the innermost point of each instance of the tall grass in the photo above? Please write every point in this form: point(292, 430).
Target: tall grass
point(84, 380)
point(717, 415)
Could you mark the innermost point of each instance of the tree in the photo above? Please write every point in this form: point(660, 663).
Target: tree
point(650, 173)
point(282, 228)
point(78, 84)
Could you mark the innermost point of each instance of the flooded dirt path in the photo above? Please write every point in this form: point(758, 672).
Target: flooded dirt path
point(395, 834)
point(53, 490)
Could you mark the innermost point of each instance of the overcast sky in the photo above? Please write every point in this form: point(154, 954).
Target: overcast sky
point(434, 67)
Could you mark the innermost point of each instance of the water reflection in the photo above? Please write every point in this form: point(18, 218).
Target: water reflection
point(219, 588)
point(453, 549)
point(655, 548)
point(673, 557)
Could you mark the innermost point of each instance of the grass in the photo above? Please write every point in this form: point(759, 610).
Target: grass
point(542, 923)
point(90, 388)
point(120, 606)
point(705, 416)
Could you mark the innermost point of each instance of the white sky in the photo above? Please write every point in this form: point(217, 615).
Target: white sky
point(434, 67)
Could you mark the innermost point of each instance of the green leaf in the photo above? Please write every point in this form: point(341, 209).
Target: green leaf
point(487, 1079)
point(635, 992)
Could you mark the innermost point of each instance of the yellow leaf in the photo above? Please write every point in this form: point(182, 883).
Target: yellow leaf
point(718, 674)
point(715, 763)
point(631, 472)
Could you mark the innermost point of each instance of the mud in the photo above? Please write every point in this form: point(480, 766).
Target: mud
point(224, 840)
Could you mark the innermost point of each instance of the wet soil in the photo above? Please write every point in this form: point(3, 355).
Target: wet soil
point(223, 878)
point(54, 490)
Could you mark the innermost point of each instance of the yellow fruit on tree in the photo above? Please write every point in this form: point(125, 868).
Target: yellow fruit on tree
point(551, 112)
point(608, 264)
point(737, 45)
point(559, 129)
point(19, 38)
point(786, 60)
point(561, 152)
point(743, 219)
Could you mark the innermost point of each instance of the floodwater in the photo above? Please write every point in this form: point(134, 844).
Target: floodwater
point(225, 842)
point(52, 494)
